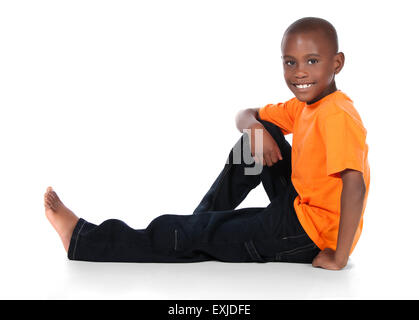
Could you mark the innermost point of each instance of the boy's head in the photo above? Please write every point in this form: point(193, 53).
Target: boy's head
point(311, 58)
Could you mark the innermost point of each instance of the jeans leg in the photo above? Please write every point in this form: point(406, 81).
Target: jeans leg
point(214, 235)
point(276, 178)
point(232, 185)
point(218, 232)
point(242, 235)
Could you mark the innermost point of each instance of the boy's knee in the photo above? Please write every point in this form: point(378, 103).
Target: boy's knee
point(269, 125)
point(273, 129)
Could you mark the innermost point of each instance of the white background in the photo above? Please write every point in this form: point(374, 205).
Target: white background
point(127, 109)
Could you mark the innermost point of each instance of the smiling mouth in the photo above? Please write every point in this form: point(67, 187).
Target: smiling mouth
point(303, 86)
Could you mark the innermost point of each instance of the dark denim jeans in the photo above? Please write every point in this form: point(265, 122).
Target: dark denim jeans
point(215, 230)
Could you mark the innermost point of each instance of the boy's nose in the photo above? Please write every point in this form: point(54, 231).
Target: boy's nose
point(300, 73)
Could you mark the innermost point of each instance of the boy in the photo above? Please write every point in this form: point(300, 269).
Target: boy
point(318, 188)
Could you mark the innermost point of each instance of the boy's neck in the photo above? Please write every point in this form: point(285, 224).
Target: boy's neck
point(332, 88)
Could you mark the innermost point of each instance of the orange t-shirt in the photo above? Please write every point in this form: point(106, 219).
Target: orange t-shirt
point(328, 137)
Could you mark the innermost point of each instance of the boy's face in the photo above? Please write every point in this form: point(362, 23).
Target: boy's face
point(310, 65)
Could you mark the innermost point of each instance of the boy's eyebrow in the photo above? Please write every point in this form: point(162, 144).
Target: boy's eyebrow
point(307, 55)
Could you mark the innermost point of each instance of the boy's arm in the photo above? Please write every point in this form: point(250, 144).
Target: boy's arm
point(268, 153)
point(247, 119)
point(352, 200)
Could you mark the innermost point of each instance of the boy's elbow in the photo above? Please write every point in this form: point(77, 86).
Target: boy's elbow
point(239, 114)
point(246, 117)
point(253, 111)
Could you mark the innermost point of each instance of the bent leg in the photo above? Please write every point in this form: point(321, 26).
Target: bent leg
point(232, 185)
point(277, 177)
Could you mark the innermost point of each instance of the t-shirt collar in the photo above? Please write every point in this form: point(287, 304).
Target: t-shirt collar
point(315, 104)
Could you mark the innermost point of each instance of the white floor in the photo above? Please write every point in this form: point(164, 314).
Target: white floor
point(51, 276)
point(34, 266)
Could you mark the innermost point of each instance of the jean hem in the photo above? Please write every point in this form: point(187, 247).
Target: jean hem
point(71, 254)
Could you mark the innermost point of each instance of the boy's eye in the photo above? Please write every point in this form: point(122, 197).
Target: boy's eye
point(289, 63)
point(312, 61)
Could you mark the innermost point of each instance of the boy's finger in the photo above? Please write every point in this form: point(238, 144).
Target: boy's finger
point(315, 263)
point(279, 154)
point(274, 157)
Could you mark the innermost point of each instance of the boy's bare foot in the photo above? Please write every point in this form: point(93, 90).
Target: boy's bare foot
point(62, 219)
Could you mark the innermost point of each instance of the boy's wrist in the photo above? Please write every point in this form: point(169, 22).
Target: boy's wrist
point(341, 259)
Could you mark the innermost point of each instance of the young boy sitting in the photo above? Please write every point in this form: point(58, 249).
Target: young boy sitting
point(318, 188)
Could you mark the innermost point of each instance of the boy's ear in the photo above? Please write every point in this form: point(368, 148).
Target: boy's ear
point(339, 61)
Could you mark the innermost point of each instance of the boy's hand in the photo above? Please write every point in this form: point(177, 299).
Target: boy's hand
point(326, 259)
point(270, 154)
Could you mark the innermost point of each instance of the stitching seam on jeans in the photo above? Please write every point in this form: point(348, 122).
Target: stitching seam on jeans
point(252, 245)
point(77, 238)
point(293, 237)
point(249, 251)
point(175, 239)
point(283, 180)
point(252, 251)
point(299, 249)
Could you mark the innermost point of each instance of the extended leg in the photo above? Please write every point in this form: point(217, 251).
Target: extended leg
point(217, 235)
point(244, 235)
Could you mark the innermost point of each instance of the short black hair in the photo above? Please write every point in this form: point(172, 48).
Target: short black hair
point(308, 24)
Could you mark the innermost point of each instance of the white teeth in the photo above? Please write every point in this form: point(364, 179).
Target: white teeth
point(303, 86)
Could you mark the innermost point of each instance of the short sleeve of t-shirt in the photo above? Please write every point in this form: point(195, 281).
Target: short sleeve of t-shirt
point(281, 114)
point(345, 141)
